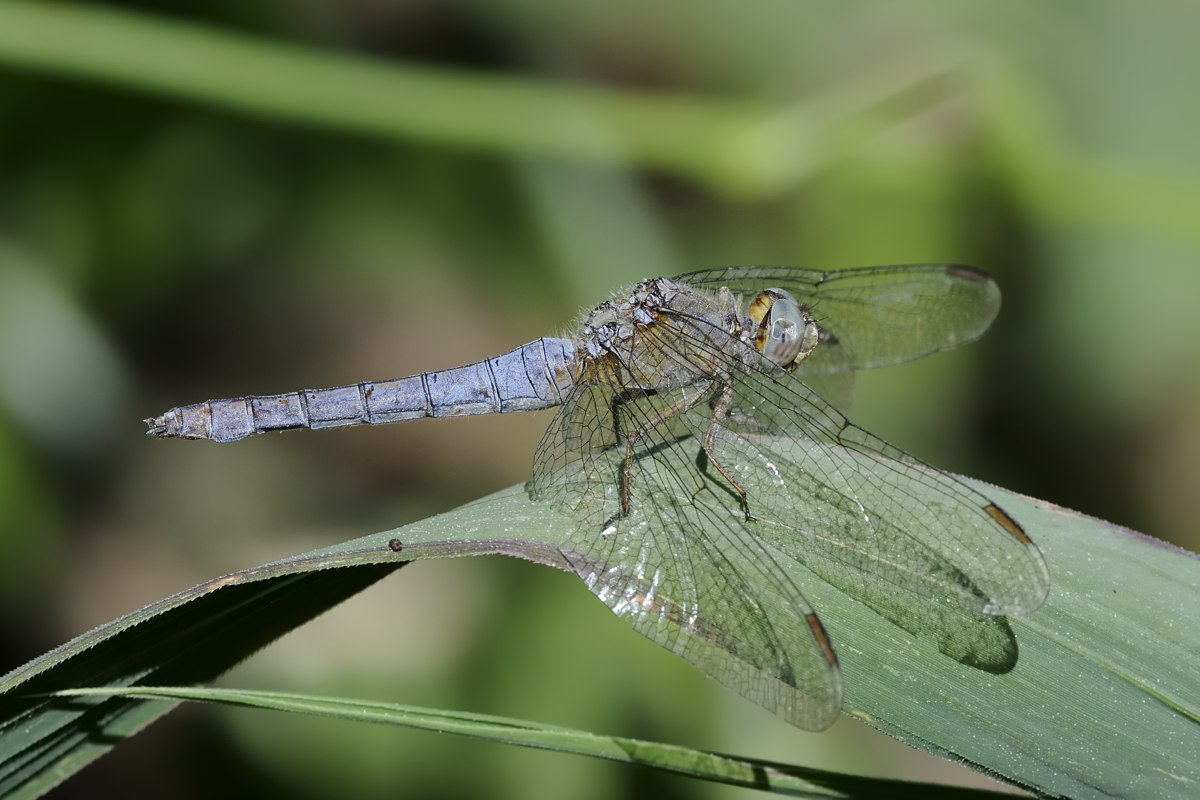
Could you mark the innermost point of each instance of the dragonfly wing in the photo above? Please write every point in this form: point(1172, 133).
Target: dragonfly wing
point(576, 465)
point(855, 509)
point(679, 566)
point(657, 476)
point(875, 316)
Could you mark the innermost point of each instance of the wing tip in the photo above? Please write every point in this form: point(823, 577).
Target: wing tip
point(968, 272)
point(1041, 586)
point(822, 636)
point(1010, 525)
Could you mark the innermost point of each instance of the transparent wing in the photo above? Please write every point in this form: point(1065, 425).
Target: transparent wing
point(876, 316)
point(694, 575)
point(858, 511)
point(677, 566)
point(852, 507)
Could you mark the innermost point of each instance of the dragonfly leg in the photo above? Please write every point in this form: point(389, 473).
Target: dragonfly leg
point(720, 410)
point(663, 415)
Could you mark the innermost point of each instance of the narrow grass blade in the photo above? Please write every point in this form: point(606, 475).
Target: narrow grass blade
point(718, 767)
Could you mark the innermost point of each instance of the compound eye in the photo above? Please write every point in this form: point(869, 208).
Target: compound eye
point(786, 332)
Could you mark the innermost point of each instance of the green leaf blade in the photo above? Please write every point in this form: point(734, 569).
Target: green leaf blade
point(734, 770)
point(190, 637)
point(1102, 702)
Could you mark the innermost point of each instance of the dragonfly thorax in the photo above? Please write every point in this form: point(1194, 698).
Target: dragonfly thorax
point(662, 334)
point(614, 323)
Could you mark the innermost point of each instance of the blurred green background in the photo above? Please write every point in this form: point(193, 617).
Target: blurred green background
point(256, 197)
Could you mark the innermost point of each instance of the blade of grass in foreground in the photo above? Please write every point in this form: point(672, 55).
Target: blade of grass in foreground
point(193, 636)
point(749, 772)
point(1104, 700)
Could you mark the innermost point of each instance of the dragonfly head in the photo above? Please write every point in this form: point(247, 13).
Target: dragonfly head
point(784, 331)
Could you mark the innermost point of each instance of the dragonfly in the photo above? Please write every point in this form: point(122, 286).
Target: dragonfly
point(698, 446)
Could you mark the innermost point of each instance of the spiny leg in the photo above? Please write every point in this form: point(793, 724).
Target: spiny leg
point(618, 402)
point(720, 410)
point(680, 406)
point(721, 404)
